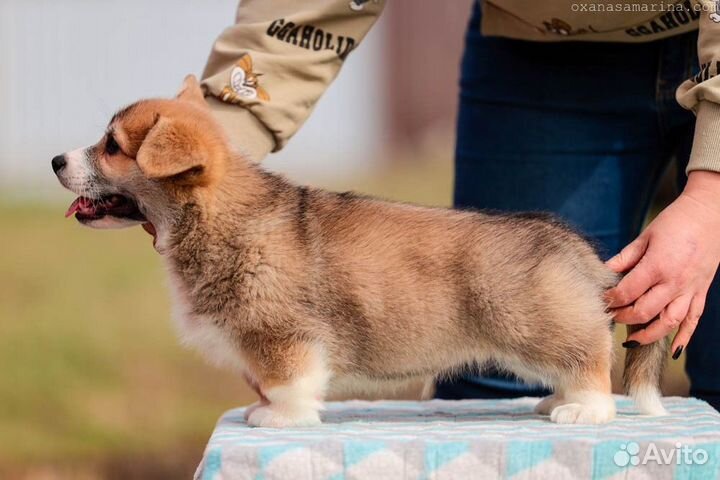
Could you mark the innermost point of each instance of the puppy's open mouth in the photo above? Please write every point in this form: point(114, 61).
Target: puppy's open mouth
point(119, 206)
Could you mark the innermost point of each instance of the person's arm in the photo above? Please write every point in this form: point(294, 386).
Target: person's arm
point(266, 72)
point(701, 94)
point(673, 262)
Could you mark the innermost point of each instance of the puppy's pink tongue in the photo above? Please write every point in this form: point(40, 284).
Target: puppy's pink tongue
point(74, 207)
point(77, 205)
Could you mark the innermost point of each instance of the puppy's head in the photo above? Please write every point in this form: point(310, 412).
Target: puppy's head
point(155, 156)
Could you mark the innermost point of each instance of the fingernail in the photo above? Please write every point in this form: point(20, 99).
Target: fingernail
point(678, 352)
point(631, 344)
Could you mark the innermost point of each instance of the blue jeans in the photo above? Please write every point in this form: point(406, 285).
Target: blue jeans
point(584, 130)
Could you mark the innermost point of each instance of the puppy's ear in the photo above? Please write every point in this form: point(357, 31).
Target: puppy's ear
point(171, 149)
point(191, 91)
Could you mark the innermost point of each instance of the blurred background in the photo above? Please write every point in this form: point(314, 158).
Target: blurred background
point(93, 383)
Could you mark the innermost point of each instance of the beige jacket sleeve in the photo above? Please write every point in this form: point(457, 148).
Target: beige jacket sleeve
point(266, 72)
point(702, 93)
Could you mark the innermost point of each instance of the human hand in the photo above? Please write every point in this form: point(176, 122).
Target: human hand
point(671, 265)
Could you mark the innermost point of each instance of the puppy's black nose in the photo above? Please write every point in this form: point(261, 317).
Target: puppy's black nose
point(58, 163)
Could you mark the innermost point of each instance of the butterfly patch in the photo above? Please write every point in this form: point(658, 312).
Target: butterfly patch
point(714, 16)
point(244, 83)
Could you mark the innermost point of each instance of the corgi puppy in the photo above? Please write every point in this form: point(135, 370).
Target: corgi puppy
point(303, 290)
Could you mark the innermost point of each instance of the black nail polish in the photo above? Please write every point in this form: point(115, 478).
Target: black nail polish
point(631, 344)
point(678, 352)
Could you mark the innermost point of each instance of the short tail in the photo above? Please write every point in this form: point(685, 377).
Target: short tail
point(643, 370)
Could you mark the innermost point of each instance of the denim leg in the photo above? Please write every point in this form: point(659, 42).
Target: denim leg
point(703, 354)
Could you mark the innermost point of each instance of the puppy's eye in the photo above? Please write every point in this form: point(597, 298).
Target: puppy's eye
point(111, 145)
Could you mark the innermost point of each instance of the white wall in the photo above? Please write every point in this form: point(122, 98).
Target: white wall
point(67, 65)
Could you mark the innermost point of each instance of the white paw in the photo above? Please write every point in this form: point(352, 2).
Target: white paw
point(272, 417)
point(582, 414)
point(547, 404)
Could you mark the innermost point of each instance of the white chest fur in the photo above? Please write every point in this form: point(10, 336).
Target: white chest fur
point(202, 334)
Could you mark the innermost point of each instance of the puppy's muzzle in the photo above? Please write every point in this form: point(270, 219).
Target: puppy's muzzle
point(109, 210)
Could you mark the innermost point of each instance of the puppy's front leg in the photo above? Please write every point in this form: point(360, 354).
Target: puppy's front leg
point(292, 378)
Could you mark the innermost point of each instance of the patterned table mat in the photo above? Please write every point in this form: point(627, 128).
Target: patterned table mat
point(442, 439)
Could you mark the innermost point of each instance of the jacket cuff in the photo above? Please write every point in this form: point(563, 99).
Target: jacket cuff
point(705, 153)
point(245, 132)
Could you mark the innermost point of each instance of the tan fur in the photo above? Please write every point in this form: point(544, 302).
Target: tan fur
point(643, 373)
point(315, 289)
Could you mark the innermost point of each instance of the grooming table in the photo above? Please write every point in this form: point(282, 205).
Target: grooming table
point(466, 439)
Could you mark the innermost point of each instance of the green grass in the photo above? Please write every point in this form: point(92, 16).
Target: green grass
point(89, 362)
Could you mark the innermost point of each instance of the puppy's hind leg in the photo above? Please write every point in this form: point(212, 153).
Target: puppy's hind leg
point(586, 400)
point(293, 385)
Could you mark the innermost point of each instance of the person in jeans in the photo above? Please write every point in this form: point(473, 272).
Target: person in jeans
point(572, 108)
